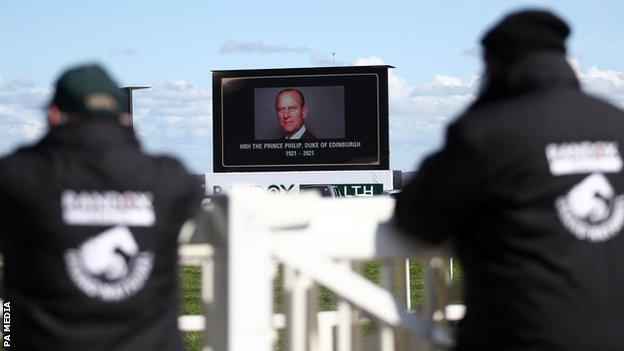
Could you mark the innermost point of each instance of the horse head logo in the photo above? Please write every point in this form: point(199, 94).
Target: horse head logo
point(106, 254)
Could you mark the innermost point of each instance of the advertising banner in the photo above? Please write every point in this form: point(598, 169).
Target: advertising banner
point(348, 183)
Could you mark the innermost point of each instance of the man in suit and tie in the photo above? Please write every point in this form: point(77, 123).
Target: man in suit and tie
point(291, 113)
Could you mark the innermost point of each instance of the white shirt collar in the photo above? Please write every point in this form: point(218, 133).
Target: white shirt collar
point(298, 134)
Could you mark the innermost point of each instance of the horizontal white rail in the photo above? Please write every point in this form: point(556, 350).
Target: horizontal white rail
point(376, 242)
point(194, 254)
point(194, 323)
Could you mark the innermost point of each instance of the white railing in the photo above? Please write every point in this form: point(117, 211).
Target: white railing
point(317, 241)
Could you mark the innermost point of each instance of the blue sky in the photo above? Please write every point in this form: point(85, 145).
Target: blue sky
point(173, 47)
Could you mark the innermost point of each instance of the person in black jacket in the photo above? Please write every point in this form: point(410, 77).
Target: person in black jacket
point(88, 228)
point(529, 189)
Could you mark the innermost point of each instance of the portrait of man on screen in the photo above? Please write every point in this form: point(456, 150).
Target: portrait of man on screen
point(296, 112)
point(291, 111)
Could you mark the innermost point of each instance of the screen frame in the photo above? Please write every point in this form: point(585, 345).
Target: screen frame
point(381, 73)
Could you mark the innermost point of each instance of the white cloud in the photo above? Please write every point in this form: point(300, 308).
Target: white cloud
point(176, 116)
point(258, 47)
point(127, 52)
point(21, 115)
point(22, 82)
point(201, 132)
point(473, 80)
point(319, 59)
point(3, 84)
point(420, 112)
point(447, 80)
point(6, 111)
point(608, 84)
point(369, 61)
point(474, 51)
point(31, 98)
point(173, 117)
point(32, 130)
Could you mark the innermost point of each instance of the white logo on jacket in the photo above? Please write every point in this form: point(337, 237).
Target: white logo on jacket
point(590, 210)
point(132, 208)
point(583, 157)
point(109, 266)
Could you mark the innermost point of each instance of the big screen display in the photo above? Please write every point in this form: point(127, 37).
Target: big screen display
point(333, 118)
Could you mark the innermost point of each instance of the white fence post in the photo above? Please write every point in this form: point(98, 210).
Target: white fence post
point(345, 321)
point(301, 331)
point(249, 295)
point(208, 299)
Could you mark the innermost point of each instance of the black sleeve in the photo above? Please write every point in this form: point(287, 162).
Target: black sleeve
point(193, 197)
point(185, 189)
point(444, 192)
point(3, 222)
point(4, 210)
point(190, 193)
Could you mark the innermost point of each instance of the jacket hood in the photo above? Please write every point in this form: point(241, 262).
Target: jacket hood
point(90, 134)
point(534, 72)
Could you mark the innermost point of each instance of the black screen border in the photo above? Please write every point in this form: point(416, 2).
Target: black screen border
point(381, 73)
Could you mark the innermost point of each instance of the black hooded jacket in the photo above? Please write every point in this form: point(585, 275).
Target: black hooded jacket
point(528, 187)
point(88, 231)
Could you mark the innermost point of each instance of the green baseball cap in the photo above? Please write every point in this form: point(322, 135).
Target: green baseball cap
point(88, 91)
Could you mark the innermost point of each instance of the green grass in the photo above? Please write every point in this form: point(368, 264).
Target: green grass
point(191, 296)
point(190, 301)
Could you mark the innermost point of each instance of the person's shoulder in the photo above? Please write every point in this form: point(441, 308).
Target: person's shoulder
point(17, 160)
point(16, 170)
point(472, 121)
point(479, 114)
point(599, 103)
point(169, 166)
point(481, 123)
point(512, 112)
point(20, 152)
point(175, 178)
point(173, 171)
